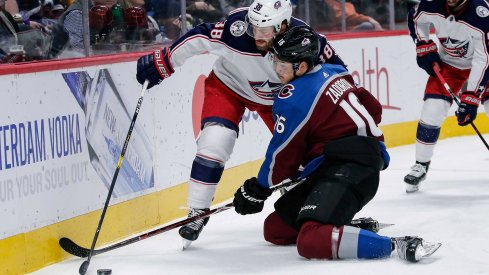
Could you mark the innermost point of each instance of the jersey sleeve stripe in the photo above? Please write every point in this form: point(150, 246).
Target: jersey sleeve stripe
point(203, 37)
point(237, 10)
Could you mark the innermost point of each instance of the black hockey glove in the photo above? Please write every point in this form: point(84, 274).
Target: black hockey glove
point(250, 197)
point(427, 55)
point(154, 67)
point(467, 111)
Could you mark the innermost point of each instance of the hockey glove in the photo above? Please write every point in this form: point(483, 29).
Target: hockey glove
point(467, 111)
point(427, 55)
point(154, 67)
point(250, 197)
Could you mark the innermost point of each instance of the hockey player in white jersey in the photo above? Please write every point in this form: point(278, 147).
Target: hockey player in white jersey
point(242, 77)
point(462, 28)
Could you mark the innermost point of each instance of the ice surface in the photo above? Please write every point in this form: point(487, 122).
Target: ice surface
point(451, 207)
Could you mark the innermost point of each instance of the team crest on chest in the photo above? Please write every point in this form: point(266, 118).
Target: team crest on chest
point(286, 91)
point(482, 11)
point(265, 90)
point(455, 47)
point(238, 28)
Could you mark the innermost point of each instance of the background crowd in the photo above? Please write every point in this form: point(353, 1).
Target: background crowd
point(49, 29)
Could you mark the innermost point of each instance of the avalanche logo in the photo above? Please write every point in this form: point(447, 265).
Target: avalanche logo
point(454, 47)
point(286, 91)
point(265, 90)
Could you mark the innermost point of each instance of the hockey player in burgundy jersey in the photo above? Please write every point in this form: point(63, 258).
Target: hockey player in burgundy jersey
point(242, 77)
point(329, 126)
point(462, 28)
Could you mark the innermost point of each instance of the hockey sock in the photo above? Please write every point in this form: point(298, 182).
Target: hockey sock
point(426, 138)
point(324, 241)
point(203, 181)
point(370, 245)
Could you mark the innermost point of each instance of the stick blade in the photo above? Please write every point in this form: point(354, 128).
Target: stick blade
point(83, 268)
point(72, 248)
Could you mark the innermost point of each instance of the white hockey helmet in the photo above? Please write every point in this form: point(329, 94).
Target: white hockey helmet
point(269, 13)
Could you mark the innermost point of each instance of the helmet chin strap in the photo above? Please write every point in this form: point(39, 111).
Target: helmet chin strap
point(295, 67)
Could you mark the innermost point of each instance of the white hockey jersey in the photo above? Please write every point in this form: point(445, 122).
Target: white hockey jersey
point(240, 66)
point(463, 37)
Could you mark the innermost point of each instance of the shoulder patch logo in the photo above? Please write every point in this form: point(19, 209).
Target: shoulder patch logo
point(238, 28)
point(482, 11)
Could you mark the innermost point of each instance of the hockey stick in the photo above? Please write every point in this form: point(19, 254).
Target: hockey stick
point(436, 68)
point(71, 247)
point(90, 252)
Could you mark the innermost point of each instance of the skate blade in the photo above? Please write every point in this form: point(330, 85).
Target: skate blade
point(429, 248)
point(410, 188)
point(384, 225)
point(186, 244)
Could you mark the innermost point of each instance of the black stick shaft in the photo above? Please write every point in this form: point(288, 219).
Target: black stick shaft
point(79, 251)
point(445, 84)
point(116, 173)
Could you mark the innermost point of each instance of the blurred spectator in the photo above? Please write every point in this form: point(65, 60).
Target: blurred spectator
point(51, 10)
point(146, 30)
point(379, 9)
point(354, 20)
point(10, 51)
point(205, 11)
point(27, 5)
point(167, 13)
point(321, 16)
point(11, 6)
point(19, 42)
point(8, 28)
point(30, 12)
point(72, 21)
point(230, 5)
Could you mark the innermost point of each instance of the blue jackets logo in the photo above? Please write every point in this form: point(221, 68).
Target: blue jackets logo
point(265, 90)
point(238, 28)
point(454, 47)
point(482, 11)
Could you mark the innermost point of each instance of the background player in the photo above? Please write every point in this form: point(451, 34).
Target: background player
point(462, 27)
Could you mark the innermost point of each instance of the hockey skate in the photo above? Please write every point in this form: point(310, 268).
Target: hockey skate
point(413, 249)
point(369, 224)
point(417, 174)
point(191, 231)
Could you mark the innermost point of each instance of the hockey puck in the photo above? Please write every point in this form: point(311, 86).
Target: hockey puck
point(104, 271)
